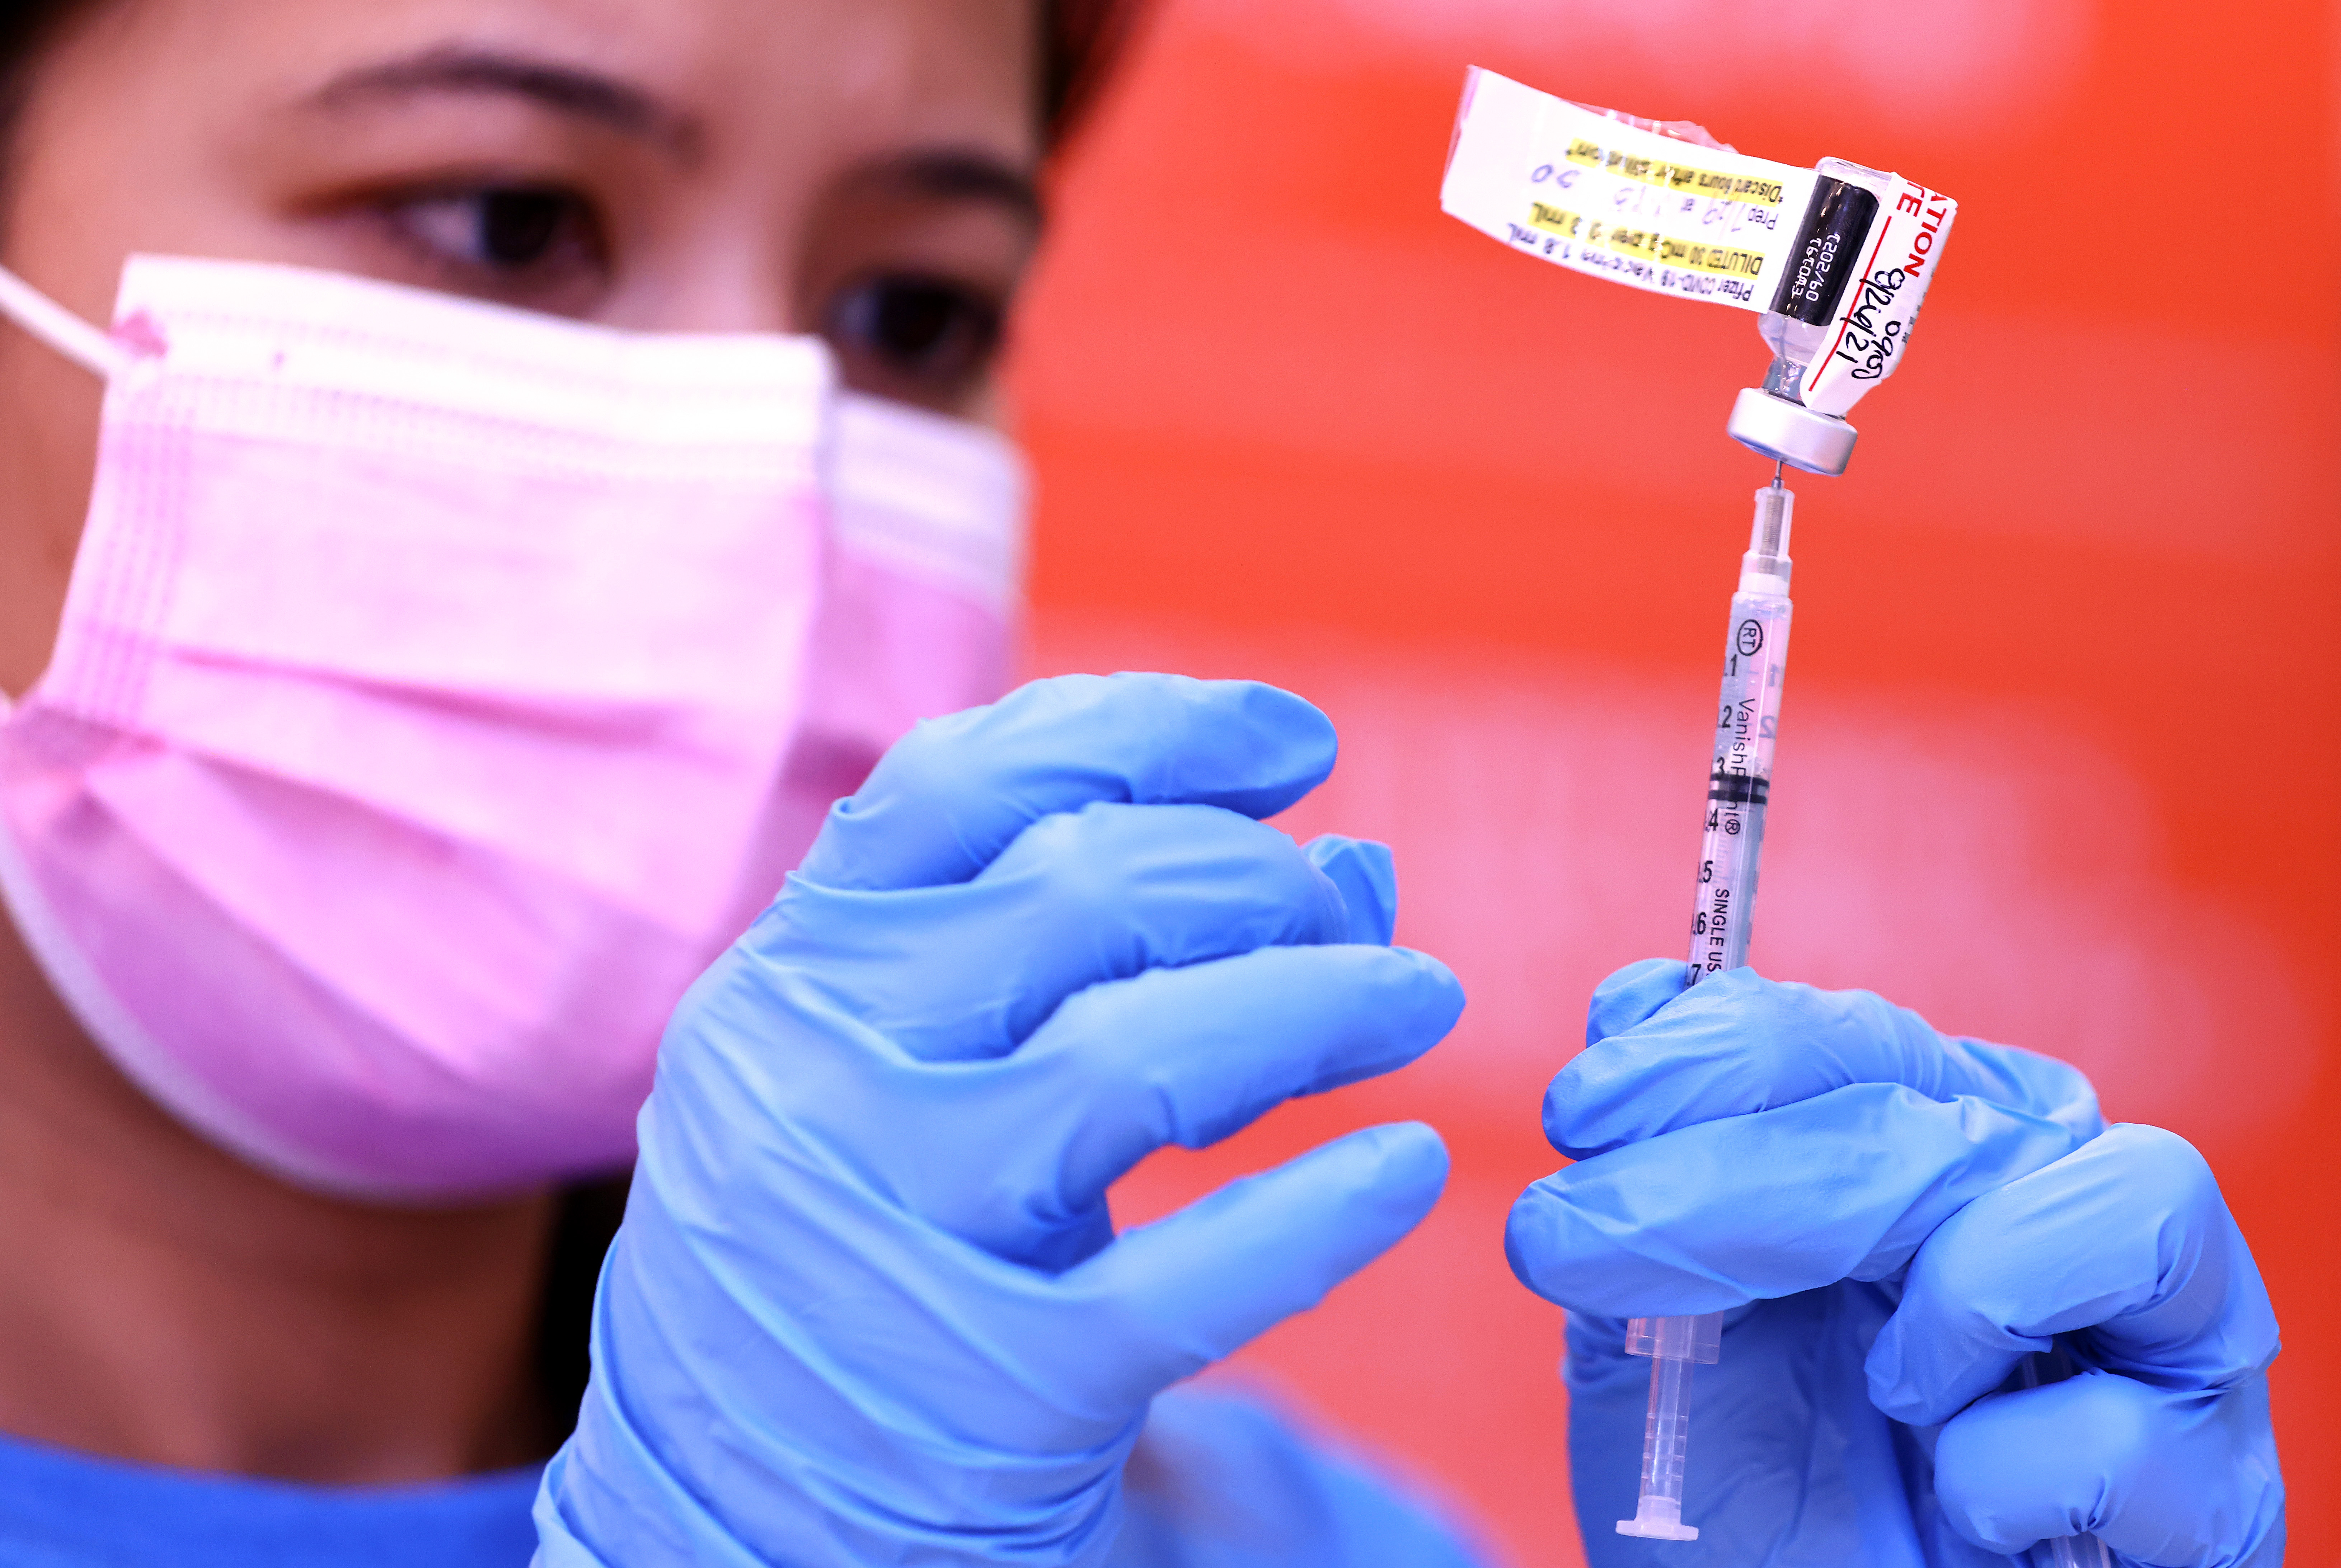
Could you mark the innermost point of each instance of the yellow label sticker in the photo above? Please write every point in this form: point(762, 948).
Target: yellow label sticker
point(1620, 198)
point(1715, 184)
point(1750, 188)
point(1722, 258)
point(1643, 242)
point(1554, 220)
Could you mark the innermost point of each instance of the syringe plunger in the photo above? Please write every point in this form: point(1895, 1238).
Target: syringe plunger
point(1674, 1344)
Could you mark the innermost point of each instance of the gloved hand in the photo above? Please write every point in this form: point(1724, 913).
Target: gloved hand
point(868, 1306)
point(1219, 1481)
point(1890, 1219)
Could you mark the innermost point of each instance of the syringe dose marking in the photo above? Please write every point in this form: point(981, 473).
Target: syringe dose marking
point(1740, 781)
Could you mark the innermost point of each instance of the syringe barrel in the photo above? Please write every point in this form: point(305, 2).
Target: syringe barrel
point(1699, 1339)
point(1747, 721)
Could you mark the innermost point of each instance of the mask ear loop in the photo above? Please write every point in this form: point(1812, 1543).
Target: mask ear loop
point(43, 318)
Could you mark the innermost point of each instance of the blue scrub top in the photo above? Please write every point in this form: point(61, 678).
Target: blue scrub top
point(59, 1509)
point(1220, 1482)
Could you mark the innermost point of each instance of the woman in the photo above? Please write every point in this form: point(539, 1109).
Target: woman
point(455, 619)
point(283, 1185)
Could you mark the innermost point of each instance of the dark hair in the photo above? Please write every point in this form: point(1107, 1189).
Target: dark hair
point(25, 26)
point(1080, 41)
point(1084, 42)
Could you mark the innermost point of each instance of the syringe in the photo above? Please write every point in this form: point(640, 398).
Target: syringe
point(1739, 785)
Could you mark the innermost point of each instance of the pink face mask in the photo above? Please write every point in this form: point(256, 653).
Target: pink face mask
point(442, 686)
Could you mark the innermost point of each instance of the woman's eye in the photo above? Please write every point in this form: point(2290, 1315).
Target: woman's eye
point(920, 339)
point(502, 231)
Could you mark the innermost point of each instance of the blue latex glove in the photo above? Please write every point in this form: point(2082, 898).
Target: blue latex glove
point(1891, 1220)
point(1219, 1481)
point(867, 1305)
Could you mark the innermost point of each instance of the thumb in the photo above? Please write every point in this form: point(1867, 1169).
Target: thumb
point(2182, 1479)
point(1237, 1262)
point(1364, 872)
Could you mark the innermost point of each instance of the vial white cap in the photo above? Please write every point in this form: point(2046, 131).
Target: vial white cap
point(1790, 432)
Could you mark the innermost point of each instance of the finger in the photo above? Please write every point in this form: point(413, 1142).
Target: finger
point(1227, 1267)
point(2128, 1237)
point(2180, 1480)
point(1738, 1043)
point(1079, 899)
point(1842, 1186)
point(1363, 870)
point(957, 792)
point(1632, 995)
point(1181, 1057)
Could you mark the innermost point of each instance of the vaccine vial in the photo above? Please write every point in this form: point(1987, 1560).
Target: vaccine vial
point(1831, 245)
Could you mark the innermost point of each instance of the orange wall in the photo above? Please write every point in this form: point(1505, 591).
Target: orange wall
point(2064, 721)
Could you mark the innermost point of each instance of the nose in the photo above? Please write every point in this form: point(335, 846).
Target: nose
point(721, 275)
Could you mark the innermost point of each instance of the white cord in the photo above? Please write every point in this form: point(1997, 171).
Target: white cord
point(77, 340)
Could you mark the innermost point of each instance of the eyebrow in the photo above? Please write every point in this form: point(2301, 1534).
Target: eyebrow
point(944, 174)
point(957, 175)
point(567, 90)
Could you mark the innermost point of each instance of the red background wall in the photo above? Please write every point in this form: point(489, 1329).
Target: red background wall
point(2059, 747)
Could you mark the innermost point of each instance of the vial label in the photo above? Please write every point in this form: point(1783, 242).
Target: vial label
point(1869, 331)
point(1828, 252)
point(1599, 194)
point(1673, 212)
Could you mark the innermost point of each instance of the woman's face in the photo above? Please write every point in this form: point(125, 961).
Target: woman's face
point(858, 168)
